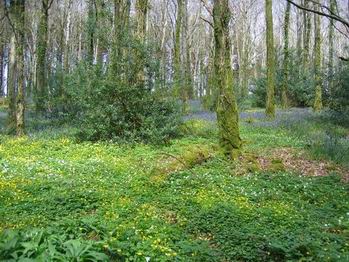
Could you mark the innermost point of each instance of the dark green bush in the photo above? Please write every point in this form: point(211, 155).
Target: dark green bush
point(300, 84)
point(113, 105)
point(339, 100)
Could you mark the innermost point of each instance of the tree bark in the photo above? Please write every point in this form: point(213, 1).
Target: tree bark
point(227, 113)
point(331, 47)
point(270, 105)
point(284, 89)
point(142, 10)
point(11, 86)
point(179, 86)
point(41, 68)
point(2, 54)
point(317, 64)
point(91, 30)
point(306, 36)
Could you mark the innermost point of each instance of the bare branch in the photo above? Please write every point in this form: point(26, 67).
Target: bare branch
point(334, 17)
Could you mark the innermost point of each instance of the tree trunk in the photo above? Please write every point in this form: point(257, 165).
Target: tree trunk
point(11, 86)
point(2, 54)
point(91, 30)
point(317, 64)
point(179, 86)
point(284, 100)
point(142, 10)
point(270, 106)
point(331, 48)
point(227, 113)
point(306, 36)
point(116, 52)
point(41, 70)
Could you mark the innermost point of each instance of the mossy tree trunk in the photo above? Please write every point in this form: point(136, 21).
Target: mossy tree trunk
point(179, 83)
point(118, 32)
point(17, 12)
point(11, 120)
point(41, 90)
point(227, 113)
point(91, 30)
point(2, 54)
point(120, 46)
point(142, 10)
point(188, 73)
point(270, 104)
point(331, 47)
point(317, 63)
point(65, 38)
point(284, 99)
point(306, 35)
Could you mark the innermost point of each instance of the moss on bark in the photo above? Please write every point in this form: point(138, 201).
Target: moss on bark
point(284, 99)
point(227, 112)
point(317, 64)
point(270, 105)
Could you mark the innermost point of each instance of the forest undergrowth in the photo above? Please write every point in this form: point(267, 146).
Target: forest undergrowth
point(285, 198)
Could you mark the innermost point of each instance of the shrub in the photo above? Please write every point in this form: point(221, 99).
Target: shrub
point(300, 85)
point(339, 101)
point(108, 106)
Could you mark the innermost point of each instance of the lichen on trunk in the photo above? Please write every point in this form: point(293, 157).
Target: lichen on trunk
point(227, 112)
point(317, 64)
point(270, 104)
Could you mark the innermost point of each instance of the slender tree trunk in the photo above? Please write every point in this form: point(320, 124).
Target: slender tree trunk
point(317, 63)
point(20, 99)
point(245, 64)
point(299, 37)
point(91, 30)
point(2, 54)
point(306, 37)
point(270, 105)
point(11, 86)
point(188, 72)
point(142, 10)
point(284, 100)
point(179, 86)
point(227, 113)
point(41, 68)
point(116, 50)
point(331, 47)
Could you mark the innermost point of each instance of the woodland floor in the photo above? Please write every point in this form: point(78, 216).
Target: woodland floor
point(286, 198)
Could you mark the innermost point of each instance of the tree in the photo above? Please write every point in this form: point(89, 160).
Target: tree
point(306, 36)
point(179, 85)
point(317, 64)
point(16, 17)
point(284, 100)
point(120, 27)
point(11, 119)
point(91, 30)
point(142, 10)
point(189, 92)
point(227, 113)
point(330, 47)
point(270, 106)
point(2, 54)
point(41, 72)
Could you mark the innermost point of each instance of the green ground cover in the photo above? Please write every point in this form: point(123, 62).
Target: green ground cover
point(61, 200)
